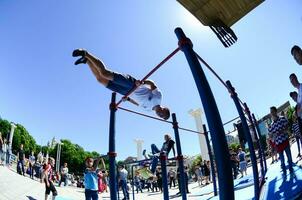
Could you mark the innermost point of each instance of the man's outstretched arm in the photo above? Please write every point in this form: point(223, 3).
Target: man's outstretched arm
point(130, 100)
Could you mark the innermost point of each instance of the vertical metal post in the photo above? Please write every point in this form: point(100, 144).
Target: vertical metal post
point(262, 148)
point(220, 146)
point(247, 111)
point(211, 159)
point(179, 158)
point(111, 154)
point(248, 137)
point(163, 162)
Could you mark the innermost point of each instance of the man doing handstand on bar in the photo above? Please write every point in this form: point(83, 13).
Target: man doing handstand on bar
point(146, 95)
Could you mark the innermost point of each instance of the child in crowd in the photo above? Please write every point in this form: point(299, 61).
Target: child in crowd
point(91, 178)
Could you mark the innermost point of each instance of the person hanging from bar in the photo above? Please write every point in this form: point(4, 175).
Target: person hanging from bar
point(168, 145)
point(146, 94)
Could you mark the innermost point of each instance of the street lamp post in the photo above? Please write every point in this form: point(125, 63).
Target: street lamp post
point(58, 159)
point(10, 142)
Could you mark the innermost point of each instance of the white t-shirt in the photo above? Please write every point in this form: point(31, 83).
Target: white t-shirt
point(123, 174)
point(64, 170)
point(32, 159)
point(299, 99)
point(146, 97)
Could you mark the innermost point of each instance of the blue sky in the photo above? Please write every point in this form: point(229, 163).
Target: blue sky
point(42, 89)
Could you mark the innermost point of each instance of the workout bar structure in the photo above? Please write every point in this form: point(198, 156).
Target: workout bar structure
point(248, 137)
point(149, 74)
point(215, 74)
point(111, 153)
point(247, 111)
point(259, 133)
point(220, 146)
point(211, 160)
point(179, 158)
point(164, 173)
point(169, 122)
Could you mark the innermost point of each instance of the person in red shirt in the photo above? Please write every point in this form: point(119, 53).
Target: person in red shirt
point(48, 177)
point(278, 130)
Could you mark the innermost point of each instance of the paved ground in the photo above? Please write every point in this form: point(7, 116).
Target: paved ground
point(17, 187)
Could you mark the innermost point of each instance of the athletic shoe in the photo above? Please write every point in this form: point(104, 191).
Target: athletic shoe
point(82, 60)
point(79, 52)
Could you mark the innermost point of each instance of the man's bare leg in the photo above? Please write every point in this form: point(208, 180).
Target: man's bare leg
point(95, 70)
point(99, 66)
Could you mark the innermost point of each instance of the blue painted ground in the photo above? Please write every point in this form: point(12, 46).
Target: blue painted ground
point(62, 198)
point(242, 186)
point(276, 187)
point(280, 187)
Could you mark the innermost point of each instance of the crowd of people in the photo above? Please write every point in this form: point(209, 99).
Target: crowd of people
point(202, 173)
point(278, 139)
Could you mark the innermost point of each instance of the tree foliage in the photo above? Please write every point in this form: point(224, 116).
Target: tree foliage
point(290, 117)
point(73, 154)
point(235, 146)
point(196, 162)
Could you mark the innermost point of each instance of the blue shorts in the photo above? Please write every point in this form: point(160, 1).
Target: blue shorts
point(121, 83)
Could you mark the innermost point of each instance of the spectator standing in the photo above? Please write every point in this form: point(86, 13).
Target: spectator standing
point(242, 162)
point(172, 177)
point(137, 182)
point(64, 173)
point(297, 132)
point(21, 159)
point(32, 161)
point(123, 176)
point(206, 171)
point(272, 149)
point(278, 130)
point(234, 163)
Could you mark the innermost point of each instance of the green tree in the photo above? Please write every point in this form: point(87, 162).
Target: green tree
point(235, 146)
point(290, 117)
point(4, 127)
point(196, 162)
point(73, 154)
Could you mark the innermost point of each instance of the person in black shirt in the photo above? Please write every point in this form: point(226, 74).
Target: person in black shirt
point(206, 171)
point(21, 158)
point(168, 145)
point(234, 162)
point(186, 180)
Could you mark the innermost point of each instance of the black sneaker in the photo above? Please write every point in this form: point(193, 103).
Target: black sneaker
point(79, 52)
point(81, 60)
